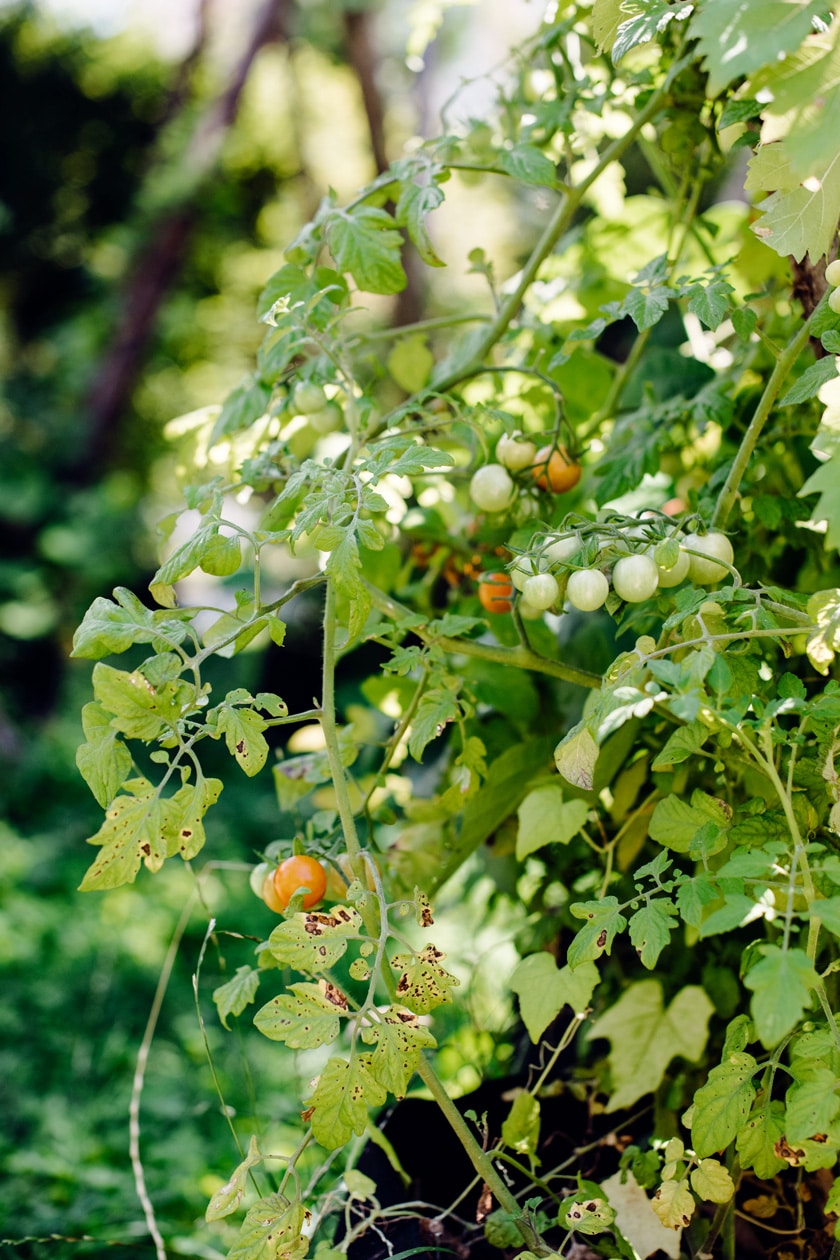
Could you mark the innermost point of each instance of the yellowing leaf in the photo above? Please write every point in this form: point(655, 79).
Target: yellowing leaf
point(304, 1017)
point(710, 1180)
point(401, 1039)
point(424, 984)
point(314, 941)
point(644, 1037)
point(544, 989)
point(272, 1230)
point(228, 1197)
point(339, 1103)
point(635, 1217)
point(545, 818)
point(131, 833)
point(674, 1204)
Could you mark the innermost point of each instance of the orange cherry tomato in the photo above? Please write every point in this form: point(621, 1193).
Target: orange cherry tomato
point(555, 470)
point(495, 592)
point(269, 896)
point(300, 872)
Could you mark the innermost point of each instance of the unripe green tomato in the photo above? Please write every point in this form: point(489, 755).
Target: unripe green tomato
point(515, 452)
point(834, 301)
point(635, 578)
point(307, 397)
point(541, 590)
point(702, 569)
point(676, 573)
point(522, 569)
point(832, 272)
point(587, 589)
point(561, 549)
point(326, 419)
point(492, 488)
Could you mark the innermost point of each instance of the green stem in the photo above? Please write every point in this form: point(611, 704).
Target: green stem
point(480, 1160)
point(786, 360)
point(328, 726)
point(557, 225)
point(516, 657)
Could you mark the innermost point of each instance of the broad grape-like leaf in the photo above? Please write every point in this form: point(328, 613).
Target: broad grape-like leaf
point(544, 989)
point(736, 37)
point(365, 243)
point(104, 761)
point(722, 1105)
point(424, 983)
point(338, 1106)
point(229, 1196)
point(313, 941)
point(304, 1017)
point(546, 818)
point(233, 997)
point(644, 1037)
point(400, 1040)
point(782, 985)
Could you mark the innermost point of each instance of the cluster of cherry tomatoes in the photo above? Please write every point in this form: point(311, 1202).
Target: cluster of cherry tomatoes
point(551, 468)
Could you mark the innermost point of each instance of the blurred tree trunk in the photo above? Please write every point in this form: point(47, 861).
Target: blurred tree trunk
point(158, 262)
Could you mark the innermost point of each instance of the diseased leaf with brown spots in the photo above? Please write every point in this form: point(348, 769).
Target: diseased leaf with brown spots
point(400, 1039)
point(243, 732)
point(304, 1017)
point(424, 984)
point(183, 828)
point(338, 1107)
point(272, 1230)
point(313, 941)
point(131, 833)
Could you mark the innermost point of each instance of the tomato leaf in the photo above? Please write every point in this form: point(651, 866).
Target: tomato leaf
point(339, 1103)
point(722, 1105)
point(314, 941)
point(233, 997)
point(229, 1196)
point(545, 818)
point(103, 761)
point(304, 1017)
point(364, 241)
point(782, 984)
point(424, 983)
point(400, 1040)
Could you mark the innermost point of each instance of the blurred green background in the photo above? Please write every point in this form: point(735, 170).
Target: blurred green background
point(152, 173)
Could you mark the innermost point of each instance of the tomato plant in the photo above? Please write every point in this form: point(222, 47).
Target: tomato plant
point(659, 772)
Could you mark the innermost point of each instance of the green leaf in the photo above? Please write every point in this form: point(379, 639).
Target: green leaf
point(650, 930)
point(544, 989)
point(424, 983)
point(782, 985)
point(272, 1228)
point(811, 1105)
point(400, 1040)
point(824, 610)
point(521, 1126)
point(229, 1196)
point(681, 744)
point(243, 407)
point(758, 1140)
point(604, 921)
point(606, 18)
point(722, 1105)
point(711, 1181)
point(545, 818)
point(415, 202)
point(825, 482)
point(711, 302)
point(314, 941)
point(410, 363)
point(364, 241)
point(304, 1017)
point(736, 37)
point(644, 1037)
point(232, 998)
point(436, 710)
point(737, 909)
point(528, 164)
point(340, 1100)
point(646, 306)
point(110, 627)
point(140, 709)
point(650, 18)
point(810, 383)
point(827, 910)
point(676, 823)
point(797, 219)
point(131, 834)
point(104, 762)
point(243, 732)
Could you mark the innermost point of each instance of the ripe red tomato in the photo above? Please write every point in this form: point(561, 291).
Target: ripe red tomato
point(555, 470)
point(495, 592)
point(300, 872)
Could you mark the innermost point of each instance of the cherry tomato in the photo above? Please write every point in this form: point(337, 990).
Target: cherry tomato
point(495, 592)
point(702, 569)
point(326, 419)
point(834, 301)
point(492, 488)
point(832, 272)
point(541, 590)
point(587, 589)
point(562, 548)
point(671, 574)
point(635, 578)
point(555, 470)
point(515, 451)
point(300, 872)
point(521, 569)
point(269, 894)
point(307, 398)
